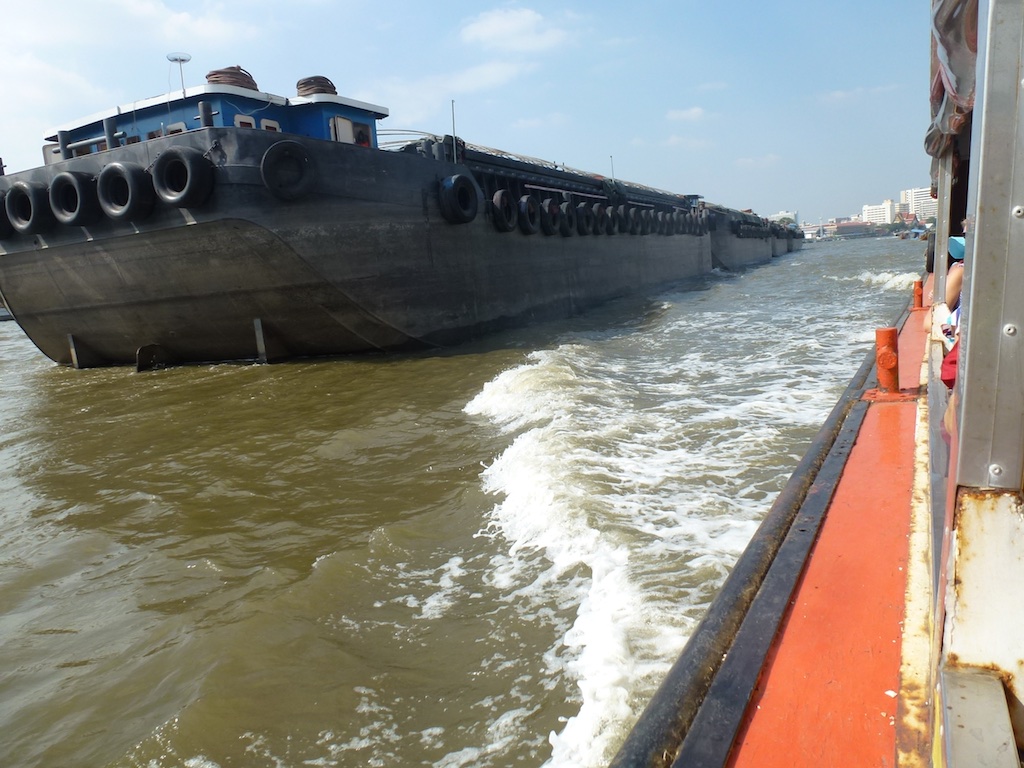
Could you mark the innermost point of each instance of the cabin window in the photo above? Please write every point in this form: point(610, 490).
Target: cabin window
point(245, 121)
point(362, 134)
point(154, 134)
point(132, 140)
point(341, 130)
point(344, 130)
point(270, 125)
point(175, 128)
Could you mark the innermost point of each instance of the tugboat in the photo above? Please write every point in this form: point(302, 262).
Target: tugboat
point(224, 223)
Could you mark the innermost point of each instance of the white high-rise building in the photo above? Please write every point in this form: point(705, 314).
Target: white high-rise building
point(879, 214)
point(920, 203)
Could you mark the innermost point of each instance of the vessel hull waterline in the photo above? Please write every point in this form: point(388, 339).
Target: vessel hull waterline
point(367, 262)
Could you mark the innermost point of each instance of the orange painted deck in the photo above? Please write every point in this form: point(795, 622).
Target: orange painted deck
point(828, 694)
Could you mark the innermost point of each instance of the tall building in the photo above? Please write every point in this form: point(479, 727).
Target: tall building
point(919, 202)
point(879, 214)
point(791, 215)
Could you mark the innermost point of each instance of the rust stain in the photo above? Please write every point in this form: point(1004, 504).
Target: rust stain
point(900, 396)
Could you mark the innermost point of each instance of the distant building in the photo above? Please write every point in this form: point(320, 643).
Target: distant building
point(879, 214)
point(855, 229)
point(791, 215)
point(920, 203)
point(909, 220)
point(822, 229)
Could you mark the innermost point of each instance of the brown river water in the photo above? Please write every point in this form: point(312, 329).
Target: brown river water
point(486, 557)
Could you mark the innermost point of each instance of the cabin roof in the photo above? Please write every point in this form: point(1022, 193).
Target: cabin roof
point(234, 91)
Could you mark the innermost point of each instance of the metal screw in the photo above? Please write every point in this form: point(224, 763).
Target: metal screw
point(1018, 211)
point(1010, 329)
point(995, 470)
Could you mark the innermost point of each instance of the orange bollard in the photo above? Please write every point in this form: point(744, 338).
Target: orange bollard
point(918, 294)
point(887, 359)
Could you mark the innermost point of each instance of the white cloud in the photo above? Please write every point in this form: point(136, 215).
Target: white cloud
point(417, 100)
point(691, 115)
point(518, 30)
point(855, 94)
point(620, 42)
point(177, 26)
point(687, 142)
point(767, 161)
point(490, 74)
point(552, 120)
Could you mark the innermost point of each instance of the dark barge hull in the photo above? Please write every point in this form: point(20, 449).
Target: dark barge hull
point(363, 259)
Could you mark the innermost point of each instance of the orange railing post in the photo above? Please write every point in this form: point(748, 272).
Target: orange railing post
point(918, 294)
point(887, 359)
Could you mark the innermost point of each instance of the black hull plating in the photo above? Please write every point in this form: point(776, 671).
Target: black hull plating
point(362, 260)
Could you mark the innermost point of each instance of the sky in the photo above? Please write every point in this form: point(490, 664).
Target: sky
point(813, 106)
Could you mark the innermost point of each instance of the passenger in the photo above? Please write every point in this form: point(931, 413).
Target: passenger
point(951, 329)
point(950, 361)
point(955, 273)
point(954, 288)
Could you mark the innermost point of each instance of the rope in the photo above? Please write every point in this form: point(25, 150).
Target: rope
point(232, 76)
point(307, 86)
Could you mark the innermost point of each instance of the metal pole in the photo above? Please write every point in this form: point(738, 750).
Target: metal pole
point(180, 59)
point(455, 150)
point(110, 132)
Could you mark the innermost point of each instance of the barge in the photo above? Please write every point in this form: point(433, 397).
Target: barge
point(224, 223)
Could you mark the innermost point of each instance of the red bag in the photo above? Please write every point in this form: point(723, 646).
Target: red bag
point(949, 363)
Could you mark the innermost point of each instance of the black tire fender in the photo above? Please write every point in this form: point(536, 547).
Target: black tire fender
point(622, 221)
point(529, 215)
point(567, 224)
point(183, 177)
point(634, 221)
point(458, 197)
point(550, 216)
point(125, 191)
point(584, 219)
point(73, 199)
point(27, 205)
point(6, 230)
point(503, 211)
point(287, 170)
